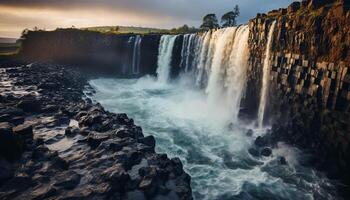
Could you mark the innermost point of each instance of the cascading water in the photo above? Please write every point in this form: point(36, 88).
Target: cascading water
point(266, 75)
point(189, 119)
point(188, 51)
point(136, 55)
point(221, 59)
point(164, 58)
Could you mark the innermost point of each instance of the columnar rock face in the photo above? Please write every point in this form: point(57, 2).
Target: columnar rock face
point(309, 93)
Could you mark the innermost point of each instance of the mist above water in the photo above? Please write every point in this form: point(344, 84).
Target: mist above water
point(195, 118)
point(185, 125)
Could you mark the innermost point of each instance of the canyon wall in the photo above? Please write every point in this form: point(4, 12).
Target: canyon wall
point(309, 79)
point(106, 52)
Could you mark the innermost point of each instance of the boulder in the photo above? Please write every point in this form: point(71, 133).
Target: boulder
point(94, 139)
point(24, 131)
point(11, 146)
point(67, 180)
point(266, 152)
point(149, 141)
point(253, 152)
point(71, 131)
point(6, 127)
point(30, 105)
point(6, 171)
point(283, 161)
point(117, 176)
point(261, 141)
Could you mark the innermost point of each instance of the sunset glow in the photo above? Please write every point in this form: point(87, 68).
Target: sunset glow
point(16, 16)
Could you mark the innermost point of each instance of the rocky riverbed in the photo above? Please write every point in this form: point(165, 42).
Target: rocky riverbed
point(56, 144)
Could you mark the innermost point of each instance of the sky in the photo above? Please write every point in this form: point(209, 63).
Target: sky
point(16, 15)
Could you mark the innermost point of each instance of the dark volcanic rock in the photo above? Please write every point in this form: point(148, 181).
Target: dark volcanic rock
point(99, 160)
point(11, 146)
point(266, 152)
point(254, 152)
point(30, 105)
point(23, 130)
point(149, 140)
point(6, 171)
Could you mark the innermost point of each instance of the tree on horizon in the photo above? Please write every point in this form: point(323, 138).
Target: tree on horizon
point(210, 21)
point(230, 18)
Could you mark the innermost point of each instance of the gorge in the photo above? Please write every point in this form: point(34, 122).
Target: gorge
point(257, 111)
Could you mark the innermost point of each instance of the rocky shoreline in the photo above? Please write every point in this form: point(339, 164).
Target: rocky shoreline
point(56, 144)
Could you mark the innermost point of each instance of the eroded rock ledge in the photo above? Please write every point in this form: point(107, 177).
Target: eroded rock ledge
point(55, 145)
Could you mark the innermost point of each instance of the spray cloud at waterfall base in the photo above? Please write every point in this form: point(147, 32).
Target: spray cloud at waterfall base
point(189, 117)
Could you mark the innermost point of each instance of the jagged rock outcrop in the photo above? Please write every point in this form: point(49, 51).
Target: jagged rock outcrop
point(309, 97)
point(56, 144)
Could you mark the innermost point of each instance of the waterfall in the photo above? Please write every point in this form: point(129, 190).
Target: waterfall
point(228, 52)
point(217, 61)
point(266, 75)
point(166, 46)
point(188, 51)
point(136, 55)
point(184, 50)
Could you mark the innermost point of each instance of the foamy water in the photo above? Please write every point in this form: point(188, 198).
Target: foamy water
point(187, 125)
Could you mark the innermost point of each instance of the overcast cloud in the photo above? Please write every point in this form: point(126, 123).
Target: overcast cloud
point(15, 15)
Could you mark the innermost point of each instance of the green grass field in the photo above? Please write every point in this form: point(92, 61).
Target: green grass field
point(126, 29)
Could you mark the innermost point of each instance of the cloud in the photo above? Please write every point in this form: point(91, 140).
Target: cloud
point(155, 13)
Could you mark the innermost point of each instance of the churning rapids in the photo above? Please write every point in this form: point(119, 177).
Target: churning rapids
point(195, 118)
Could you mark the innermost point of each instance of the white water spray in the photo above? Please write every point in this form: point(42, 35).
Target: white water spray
point(219, 62)
point(164, 58)
point(266, 75)
point(136, 55)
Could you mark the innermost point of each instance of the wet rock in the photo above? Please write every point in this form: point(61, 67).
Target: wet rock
point(249, 133)
point(67, 180)
point(6, 171)
point(261, 141)
point(112, 159)
point(283, 161)
point(43, 192)
point(11, 111)
point(48, 86)
point(6, 127)
point(30, 105)
point(50, 108)
point(149, 141)
point(11, 146)
point(17, 120)
point(148, 185)
point(266, 152)
point(60, 163)
point(117, 176)
point(25, 131)
point(71, 131)
point(253, 152)
point(94, 139)
point(177, 166)
point(147, 171)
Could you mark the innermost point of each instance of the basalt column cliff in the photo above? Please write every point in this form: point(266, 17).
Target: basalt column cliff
point(309, 79)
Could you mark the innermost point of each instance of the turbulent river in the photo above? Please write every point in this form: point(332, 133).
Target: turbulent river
point(195, 117)
point(216, 157)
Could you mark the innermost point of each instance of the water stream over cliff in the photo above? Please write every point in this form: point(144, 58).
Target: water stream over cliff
point(136, 55)
point(195, 117)
point(266, 76)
